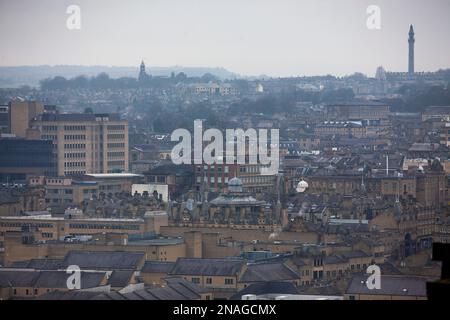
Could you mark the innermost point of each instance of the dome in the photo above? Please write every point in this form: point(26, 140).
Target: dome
point(235, 182)
point(235, 185)
point(302, 186)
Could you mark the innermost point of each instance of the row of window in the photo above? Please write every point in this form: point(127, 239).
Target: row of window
point(104, 226)
point(116, 154)
point(75, 146)
point(75, 137)
point(74, 172)
point(116, 127)
point(49, 137)
point(213, 168)
point(49, 128)
point(19, 225)
point(159, 179)
point(227, 281)
point(75, 128)
point(260, 179)
point(116, 145)
point(116, 163)
point(114, 136)
point(59, 191)
point(74, 155)
point(212, 179)
point(74, 164)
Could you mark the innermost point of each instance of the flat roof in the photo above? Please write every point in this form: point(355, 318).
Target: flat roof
point(114, 175)
point(49, 217)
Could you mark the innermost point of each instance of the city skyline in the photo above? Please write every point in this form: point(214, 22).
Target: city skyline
point(306, 38)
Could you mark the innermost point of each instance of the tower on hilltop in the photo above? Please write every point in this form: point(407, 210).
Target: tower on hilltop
point(411, 42)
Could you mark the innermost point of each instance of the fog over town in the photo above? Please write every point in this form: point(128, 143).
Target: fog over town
point(211, 150)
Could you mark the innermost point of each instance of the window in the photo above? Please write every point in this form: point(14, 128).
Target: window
point(208, 280)
point(229, 281)
point(351, 297)
point(161, 179)
point(195, 280)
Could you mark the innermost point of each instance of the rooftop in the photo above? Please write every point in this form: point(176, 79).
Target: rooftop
point(104, 260)
point(390, 285)
point(207, 267)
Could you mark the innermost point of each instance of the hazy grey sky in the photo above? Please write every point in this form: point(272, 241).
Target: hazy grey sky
point(251, 37)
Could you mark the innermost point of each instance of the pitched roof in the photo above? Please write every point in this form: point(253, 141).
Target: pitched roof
point(45, 264)
point(207, 267)
point(157, 267)
point(354, 254)
point(175, 289)
point(103, 260)
point(334, 259)
point(47, 279)
point(120, 278)
point(390, 285)
point(263, 272)
point(58, 279)
point(9, 278)
point(261, 288)
point(68, 295)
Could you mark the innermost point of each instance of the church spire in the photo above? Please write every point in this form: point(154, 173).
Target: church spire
point(142, 74)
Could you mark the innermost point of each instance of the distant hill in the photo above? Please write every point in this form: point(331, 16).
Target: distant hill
point(11, 77)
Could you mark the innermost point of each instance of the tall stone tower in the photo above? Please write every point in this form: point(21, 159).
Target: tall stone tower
point(142, 74)
point(411, 42)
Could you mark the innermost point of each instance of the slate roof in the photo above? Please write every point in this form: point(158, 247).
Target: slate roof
point(387, 268)
point(58, 279)
point(265, 272)
point(354, 254)
point(120, 278)
point(261, 288)
point(19, 264)
point(68, 295)
point(333, 259)
point(390, 285)
point(47, 279)
point(207, 267)
point(17, 278)
point(45, 264)
point(157, 267)
point(321, 291)
point(175, 289)
point(103, 260)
